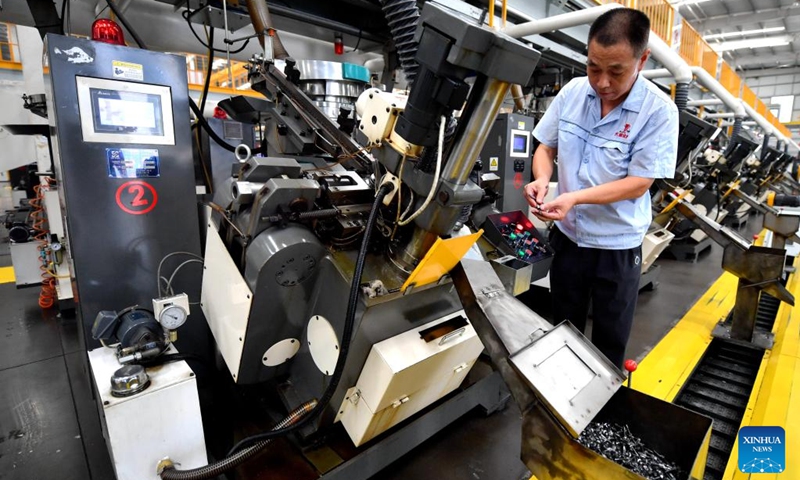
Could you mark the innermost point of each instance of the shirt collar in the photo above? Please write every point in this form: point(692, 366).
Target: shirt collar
point(635, 97)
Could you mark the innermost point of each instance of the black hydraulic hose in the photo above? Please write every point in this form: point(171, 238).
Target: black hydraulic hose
point(214, 469)
point(200, 119)
point(209, 70)
point(682, 96)
point(127, 25)
point(347, 334)
point(403, 17)
point(211, 133)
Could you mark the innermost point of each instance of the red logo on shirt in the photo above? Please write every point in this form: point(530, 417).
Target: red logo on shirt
point(624, 132)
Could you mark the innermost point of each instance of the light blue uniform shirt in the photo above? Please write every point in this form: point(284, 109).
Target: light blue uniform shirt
point(637, 138)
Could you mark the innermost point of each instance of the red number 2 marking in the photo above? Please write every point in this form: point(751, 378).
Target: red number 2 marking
point(138, 201)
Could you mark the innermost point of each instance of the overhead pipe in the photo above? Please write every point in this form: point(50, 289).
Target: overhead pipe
point(705, 102)
point(660, 51)
point(768, 127)
point(720, 115)
point(559, 22)
point(706, 80)
point(262, 23)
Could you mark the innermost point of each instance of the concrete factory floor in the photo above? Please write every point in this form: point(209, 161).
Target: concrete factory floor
point(49, 426)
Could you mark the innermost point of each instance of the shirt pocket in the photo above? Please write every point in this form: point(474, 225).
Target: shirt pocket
point(572, 140)
point(610, 160)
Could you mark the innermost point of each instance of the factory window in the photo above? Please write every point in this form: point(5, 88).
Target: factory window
point(8, 46)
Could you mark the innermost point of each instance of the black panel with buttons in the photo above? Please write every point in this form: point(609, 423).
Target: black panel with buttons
point(519, 165)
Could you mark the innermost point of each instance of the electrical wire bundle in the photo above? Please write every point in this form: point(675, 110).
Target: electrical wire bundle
point(47, 296)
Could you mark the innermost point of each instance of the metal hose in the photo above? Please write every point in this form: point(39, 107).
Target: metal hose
point(403, 17)
point(214, 469)
point(314, 214)
point(737, 127)
point(262, 21)
point(681, 96)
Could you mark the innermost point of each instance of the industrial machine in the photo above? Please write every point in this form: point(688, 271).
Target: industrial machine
point(123, 163)
point(378, 334)
point(353, 270)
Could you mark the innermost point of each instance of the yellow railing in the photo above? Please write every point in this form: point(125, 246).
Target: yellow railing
point(660, 12)
point(749, 96)
point(696, 51)
point(729, 80)
point(662, 17)
point(196, 68)
point(760, 107)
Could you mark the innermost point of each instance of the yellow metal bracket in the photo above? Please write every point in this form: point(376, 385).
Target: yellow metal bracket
point(440, 259)
point(675, 202)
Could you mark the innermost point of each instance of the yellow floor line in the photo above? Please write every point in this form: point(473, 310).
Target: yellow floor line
point(7, 275)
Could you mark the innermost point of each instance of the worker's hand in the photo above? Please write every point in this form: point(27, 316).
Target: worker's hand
point(535, 192)
point(557, 208)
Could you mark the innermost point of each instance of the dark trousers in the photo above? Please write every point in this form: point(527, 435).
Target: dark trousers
point(607, 278)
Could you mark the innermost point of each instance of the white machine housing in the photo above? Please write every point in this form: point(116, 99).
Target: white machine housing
point(404, 374)
point(161, 421)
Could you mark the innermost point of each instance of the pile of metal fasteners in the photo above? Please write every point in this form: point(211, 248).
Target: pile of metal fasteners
point(618, 444)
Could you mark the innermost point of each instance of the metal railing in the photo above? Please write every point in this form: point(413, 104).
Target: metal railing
point(729, 79)
point(696, 51)
point(660, 12)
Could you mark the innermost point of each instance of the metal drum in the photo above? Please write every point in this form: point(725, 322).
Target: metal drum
point(332, 85)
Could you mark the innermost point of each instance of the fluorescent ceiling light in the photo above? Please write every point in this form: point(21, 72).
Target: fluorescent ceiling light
point(680, 3)
point(753, 43)
point(744, 33)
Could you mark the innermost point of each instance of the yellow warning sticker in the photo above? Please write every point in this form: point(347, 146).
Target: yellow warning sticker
point(521, 125)
point(494, 164)
point(127, 71)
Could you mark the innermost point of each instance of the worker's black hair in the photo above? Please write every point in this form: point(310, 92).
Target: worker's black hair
point(622, 25)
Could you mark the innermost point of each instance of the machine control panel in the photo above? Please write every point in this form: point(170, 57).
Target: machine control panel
point(519, 165)
point(125, 112)
point(514, 234)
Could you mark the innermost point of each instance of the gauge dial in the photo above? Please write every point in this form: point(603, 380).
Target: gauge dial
point(172, 317)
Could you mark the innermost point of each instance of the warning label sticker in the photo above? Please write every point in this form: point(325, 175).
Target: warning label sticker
point(494, 164)
point(128, 71)
point(521, 125)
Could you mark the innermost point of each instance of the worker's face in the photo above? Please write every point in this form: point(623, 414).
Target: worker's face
point(612, 70)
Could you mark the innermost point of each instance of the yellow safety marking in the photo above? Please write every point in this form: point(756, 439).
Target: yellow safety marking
point(775, 398)
point(664, 370)
point(440, 259)
point(7, 275)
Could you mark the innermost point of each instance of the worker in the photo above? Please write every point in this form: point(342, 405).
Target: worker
point(613, 132)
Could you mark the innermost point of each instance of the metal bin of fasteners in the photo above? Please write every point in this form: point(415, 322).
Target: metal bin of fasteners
point(579, 388)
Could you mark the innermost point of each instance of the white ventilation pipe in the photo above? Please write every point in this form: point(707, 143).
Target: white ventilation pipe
point(659, 50)
point(559, 22)
point(768, 127)
point(705, 102)
point(719, 115)
point(706, 80)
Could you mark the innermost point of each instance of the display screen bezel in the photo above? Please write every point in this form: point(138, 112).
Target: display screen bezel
point(94, 130)
point(512, 150)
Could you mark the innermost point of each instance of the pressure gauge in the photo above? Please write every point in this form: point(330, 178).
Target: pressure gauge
point(172, 317)
point(171, 312)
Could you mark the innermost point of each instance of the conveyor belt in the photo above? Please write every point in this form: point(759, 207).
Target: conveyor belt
point(720, 388)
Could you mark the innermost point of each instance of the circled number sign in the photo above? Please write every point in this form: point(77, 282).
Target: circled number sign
point(136, 197)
